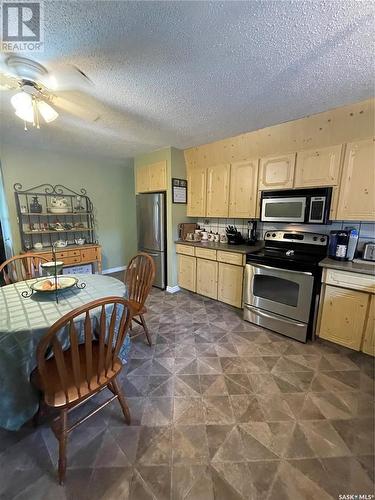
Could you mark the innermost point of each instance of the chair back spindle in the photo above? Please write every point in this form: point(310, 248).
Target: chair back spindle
point(21, 267)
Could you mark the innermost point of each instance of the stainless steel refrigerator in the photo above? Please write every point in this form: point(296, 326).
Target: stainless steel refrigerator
point(152, 236)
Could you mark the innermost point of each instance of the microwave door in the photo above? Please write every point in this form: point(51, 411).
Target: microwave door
point(283, 209)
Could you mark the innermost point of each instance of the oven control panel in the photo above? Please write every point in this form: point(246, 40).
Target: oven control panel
point(297, 237)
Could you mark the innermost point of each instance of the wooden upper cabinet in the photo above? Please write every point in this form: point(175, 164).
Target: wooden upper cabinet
point(218, 178)
point(142, 179)
point(196, 205)
point(152, 177)
point(334, 202)
point(158, 176)
point(318, 167)
point(357, 193)
point(243, 189)
point(277, 172)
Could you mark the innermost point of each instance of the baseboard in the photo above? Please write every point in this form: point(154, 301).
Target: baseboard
point(173, 289)
point(114, 270)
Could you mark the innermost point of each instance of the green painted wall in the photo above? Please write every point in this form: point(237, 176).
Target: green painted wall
point(110, 186)
point(175, 213)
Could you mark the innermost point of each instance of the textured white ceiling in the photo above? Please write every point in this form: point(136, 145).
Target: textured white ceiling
point(187, 73)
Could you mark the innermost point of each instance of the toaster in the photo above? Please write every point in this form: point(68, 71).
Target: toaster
point(369, 251)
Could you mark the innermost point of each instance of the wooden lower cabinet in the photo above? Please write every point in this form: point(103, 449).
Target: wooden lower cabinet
point(368, 345)
point(187, 272)
point(89, 254)
point(218, 279)
point(343, 316)
point(207, 278)
point(86, 254)
point(230, 284)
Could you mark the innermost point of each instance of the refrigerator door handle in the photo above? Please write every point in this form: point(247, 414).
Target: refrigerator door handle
point(157, 222)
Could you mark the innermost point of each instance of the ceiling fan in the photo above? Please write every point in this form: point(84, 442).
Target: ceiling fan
point(42, 93)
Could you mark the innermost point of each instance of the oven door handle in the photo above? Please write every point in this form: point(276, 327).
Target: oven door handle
point(256, 310)
point(262, 266)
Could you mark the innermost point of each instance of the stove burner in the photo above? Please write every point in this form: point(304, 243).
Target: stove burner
point(291, 250)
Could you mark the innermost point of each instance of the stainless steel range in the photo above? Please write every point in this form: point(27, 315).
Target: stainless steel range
point(282, 283)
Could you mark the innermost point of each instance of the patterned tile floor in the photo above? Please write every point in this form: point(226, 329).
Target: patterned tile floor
point(220, 410)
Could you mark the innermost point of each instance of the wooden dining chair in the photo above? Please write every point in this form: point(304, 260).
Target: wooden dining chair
point(67, 378)
point(139, 277)
point(21, 267)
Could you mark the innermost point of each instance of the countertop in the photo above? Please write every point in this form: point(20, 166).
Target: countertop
point(355, 266)
point(244, 249)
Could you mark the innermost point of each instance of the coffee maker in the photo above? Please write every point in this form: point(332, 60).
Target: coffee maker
point(343, 244)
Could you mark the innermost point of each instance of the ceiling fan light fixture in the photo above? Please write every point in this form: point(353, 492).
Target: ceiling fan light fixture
point(21, 101)
point(47, 111)
point(26, 114)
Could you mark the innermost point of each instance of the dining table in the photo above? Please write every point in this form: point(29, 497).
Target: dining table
point(24, 319)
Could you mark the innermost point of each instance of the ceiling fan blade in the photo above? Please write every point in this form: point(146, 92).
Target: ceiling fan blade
point(65, 78)
point(69, 105)
point(8, 82)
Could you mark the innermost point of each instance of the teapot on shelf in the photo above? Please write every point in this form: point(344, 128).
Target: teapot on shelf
point(60, 244)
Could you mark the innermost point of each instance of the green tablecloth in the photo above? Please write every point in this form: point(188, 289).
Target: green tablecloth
point(23, 322)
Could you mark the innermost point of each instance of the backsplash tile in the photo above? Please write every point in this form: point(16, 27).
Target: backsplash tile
point(366, 229)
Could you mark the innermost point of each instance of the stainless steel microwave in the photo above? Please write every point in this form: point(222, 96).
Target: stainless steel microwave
point(305, 206)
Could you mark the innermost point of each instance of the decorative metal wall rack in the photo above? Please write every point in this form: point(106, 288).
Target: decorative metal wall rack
point(47, 214)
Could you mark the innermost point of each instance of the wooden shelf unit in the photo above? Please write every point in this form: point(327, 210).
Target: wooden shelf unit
point(38, 226)
point(79, 210)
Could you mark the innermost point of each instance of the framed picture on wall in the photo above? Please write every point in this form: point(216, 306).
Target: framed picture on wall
point(179, 191)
